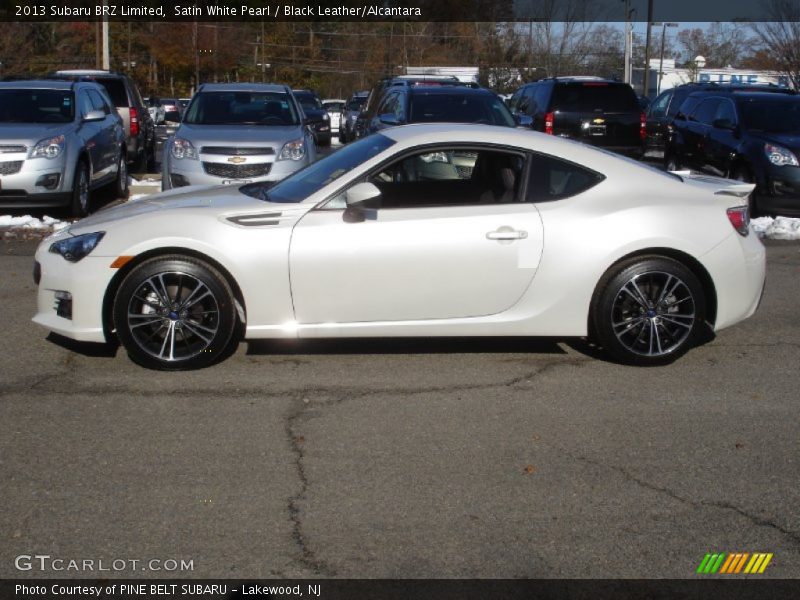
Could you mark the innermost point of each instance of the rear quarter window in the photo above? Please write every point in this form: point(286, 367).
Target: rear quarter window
point(552, 178)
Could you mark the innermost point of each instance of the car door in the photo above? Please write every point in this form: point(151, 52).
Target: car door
point(108, 150)
point(697, 134)
point(447, 239)
point(90, 133)
point(722, 140)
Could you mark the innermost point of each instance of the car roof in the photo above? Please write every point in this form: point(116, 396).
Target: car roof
point(742, 93)
point(451, 90)
point(45, 84)
point(242, 87)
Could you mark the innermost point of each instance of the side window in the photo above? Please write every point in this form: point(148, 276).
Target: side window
point(450, 177)
point(551, 178)
point(98, 103)
point(85, 103)
point(513, 103)
point(400, 108)
point(726, 111)
point(524, 100)
point(659, 106)
point(542, 97)
point(388, 105)
point(705, 111)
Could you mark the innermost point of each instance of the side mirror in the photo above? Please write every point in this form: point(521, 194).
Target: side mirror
point(389, 119)
point(94, 115)
point(355, 198)
point(523, 120)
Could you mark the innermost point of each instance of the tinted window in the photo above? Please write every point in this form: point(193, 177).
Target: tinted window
point(459, 108)
point(242, 108)
point(98, 103)
point(587, 97)
point(659, 106)
point(514, 101)
point(705, 111)
point(116, 90)
point(540, 98)
point(308, 101)
point(450, 177)
point(770, 115)
point(333, 106)
point(726, 111)
point(301, 184)
point(37, 106)
point(678, 96)
point(356, 104)
point(553, 179)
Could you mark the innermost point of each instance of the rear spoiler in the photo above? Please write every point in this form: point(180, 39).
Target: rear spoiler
point(717, 185)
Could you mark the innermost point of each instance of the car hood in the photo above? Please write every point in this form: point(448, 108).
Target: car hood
point(219, 198)
point(30, 134)
point(789, 139)
point(239, 135)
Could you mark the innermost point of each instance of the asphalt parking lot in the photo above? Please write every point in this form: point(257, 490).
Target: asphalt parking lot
point(411, 458)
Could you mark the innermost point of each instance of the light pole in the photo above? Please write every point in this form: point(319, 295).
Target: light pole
point(661, 61)
point(699, 63)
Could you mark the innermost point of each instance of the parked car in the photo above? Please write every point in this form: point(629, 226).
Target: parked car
point(59, 140)
point(167, 124)
point(644, 262)
point(235, 133)
point(354, 106)
point(403, 104)
point(589, 109)
point(663, 109)
point(748, 136)
point(139, 126)
point(378, 91)
point(316, 116)
point(334, 107)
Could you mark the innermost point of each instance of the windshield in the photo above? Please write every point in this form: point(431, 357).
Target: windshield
point(774, 115)
point(356, 104)
point(300, 185)
point(37, 106)
point(460, 108)
point(333, 106)
point(309, 102)
point(242, 108)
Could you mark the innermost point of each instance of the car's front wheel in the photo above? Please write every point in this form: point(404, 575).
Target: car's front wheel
point(80, 191)
point(648, 311)
point(121, 182)
point(175, 313)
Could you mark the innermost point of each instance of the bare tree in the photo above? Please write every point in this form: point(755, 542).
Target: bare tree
point(781, 36)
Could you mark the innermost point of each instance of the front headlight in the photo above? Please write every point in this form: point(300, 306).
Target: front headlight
point(326, 117)
point(182, 148)
point(75, 248)
point(780, 156)
point(49, 148)
point(295, 150)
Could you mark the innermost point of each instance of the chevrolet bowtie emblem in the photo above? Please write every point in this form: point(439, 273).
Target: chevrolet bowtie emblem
point(237, 160)
point(598, 121)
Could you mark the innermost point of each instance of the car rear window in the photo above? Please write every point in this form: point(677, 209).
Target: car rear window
point(459, 108)
point(588, 97)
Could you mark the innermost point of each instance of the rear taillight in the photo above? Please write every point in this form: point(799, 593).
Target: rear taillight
point(642, 126)
point(549, 118)
point(739, 216)
point(134, 122)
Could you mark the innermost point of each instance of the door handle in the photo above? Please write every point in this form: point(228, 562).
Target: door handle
point(506, 233)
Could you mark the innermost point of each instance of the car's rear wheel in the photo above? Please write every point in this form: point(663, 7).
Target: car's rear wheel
point(175, 313)
point(648, 311)
point(79, 206)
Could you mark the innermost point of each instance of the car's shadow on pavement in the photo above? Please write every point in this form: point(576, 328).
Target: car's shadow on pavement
point(92, 349)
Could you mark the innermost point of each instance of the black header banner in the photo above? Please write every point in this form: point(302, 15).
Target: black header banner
point(398, 10)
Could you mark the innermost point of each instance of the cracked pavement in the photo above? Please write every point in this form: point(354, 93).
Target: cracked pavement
point(406, 458)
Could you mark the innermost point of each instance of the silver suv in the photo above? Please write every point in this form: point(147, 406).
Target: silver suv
point(58, 141)
point(237, 133)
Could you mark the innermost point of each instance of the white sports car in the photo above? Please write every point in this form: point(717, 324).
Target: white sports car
point(422, 230)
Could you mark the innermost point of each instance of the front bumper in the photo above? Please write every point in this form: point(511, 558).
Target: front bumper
point(185, 172)
point(86, 281)
point(24, 188)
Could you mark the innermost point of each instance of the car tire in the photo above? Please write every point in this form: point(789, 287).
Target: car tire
point(120, 185)
point(79, 207)
point(142, 161)
point(671, 162)
point(175, 313)
point(648, 311)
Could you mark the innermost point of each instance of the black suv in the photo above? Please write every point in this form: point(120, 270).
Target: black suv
point(139, 127)
point(588, 109)
point(744, 135)
point(663, 109)
point(424, 103)
point(316, 116)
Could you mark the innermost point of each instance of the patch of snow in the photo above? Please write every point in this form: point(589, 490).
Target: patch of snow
point(29, 222)
point(779, 228)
